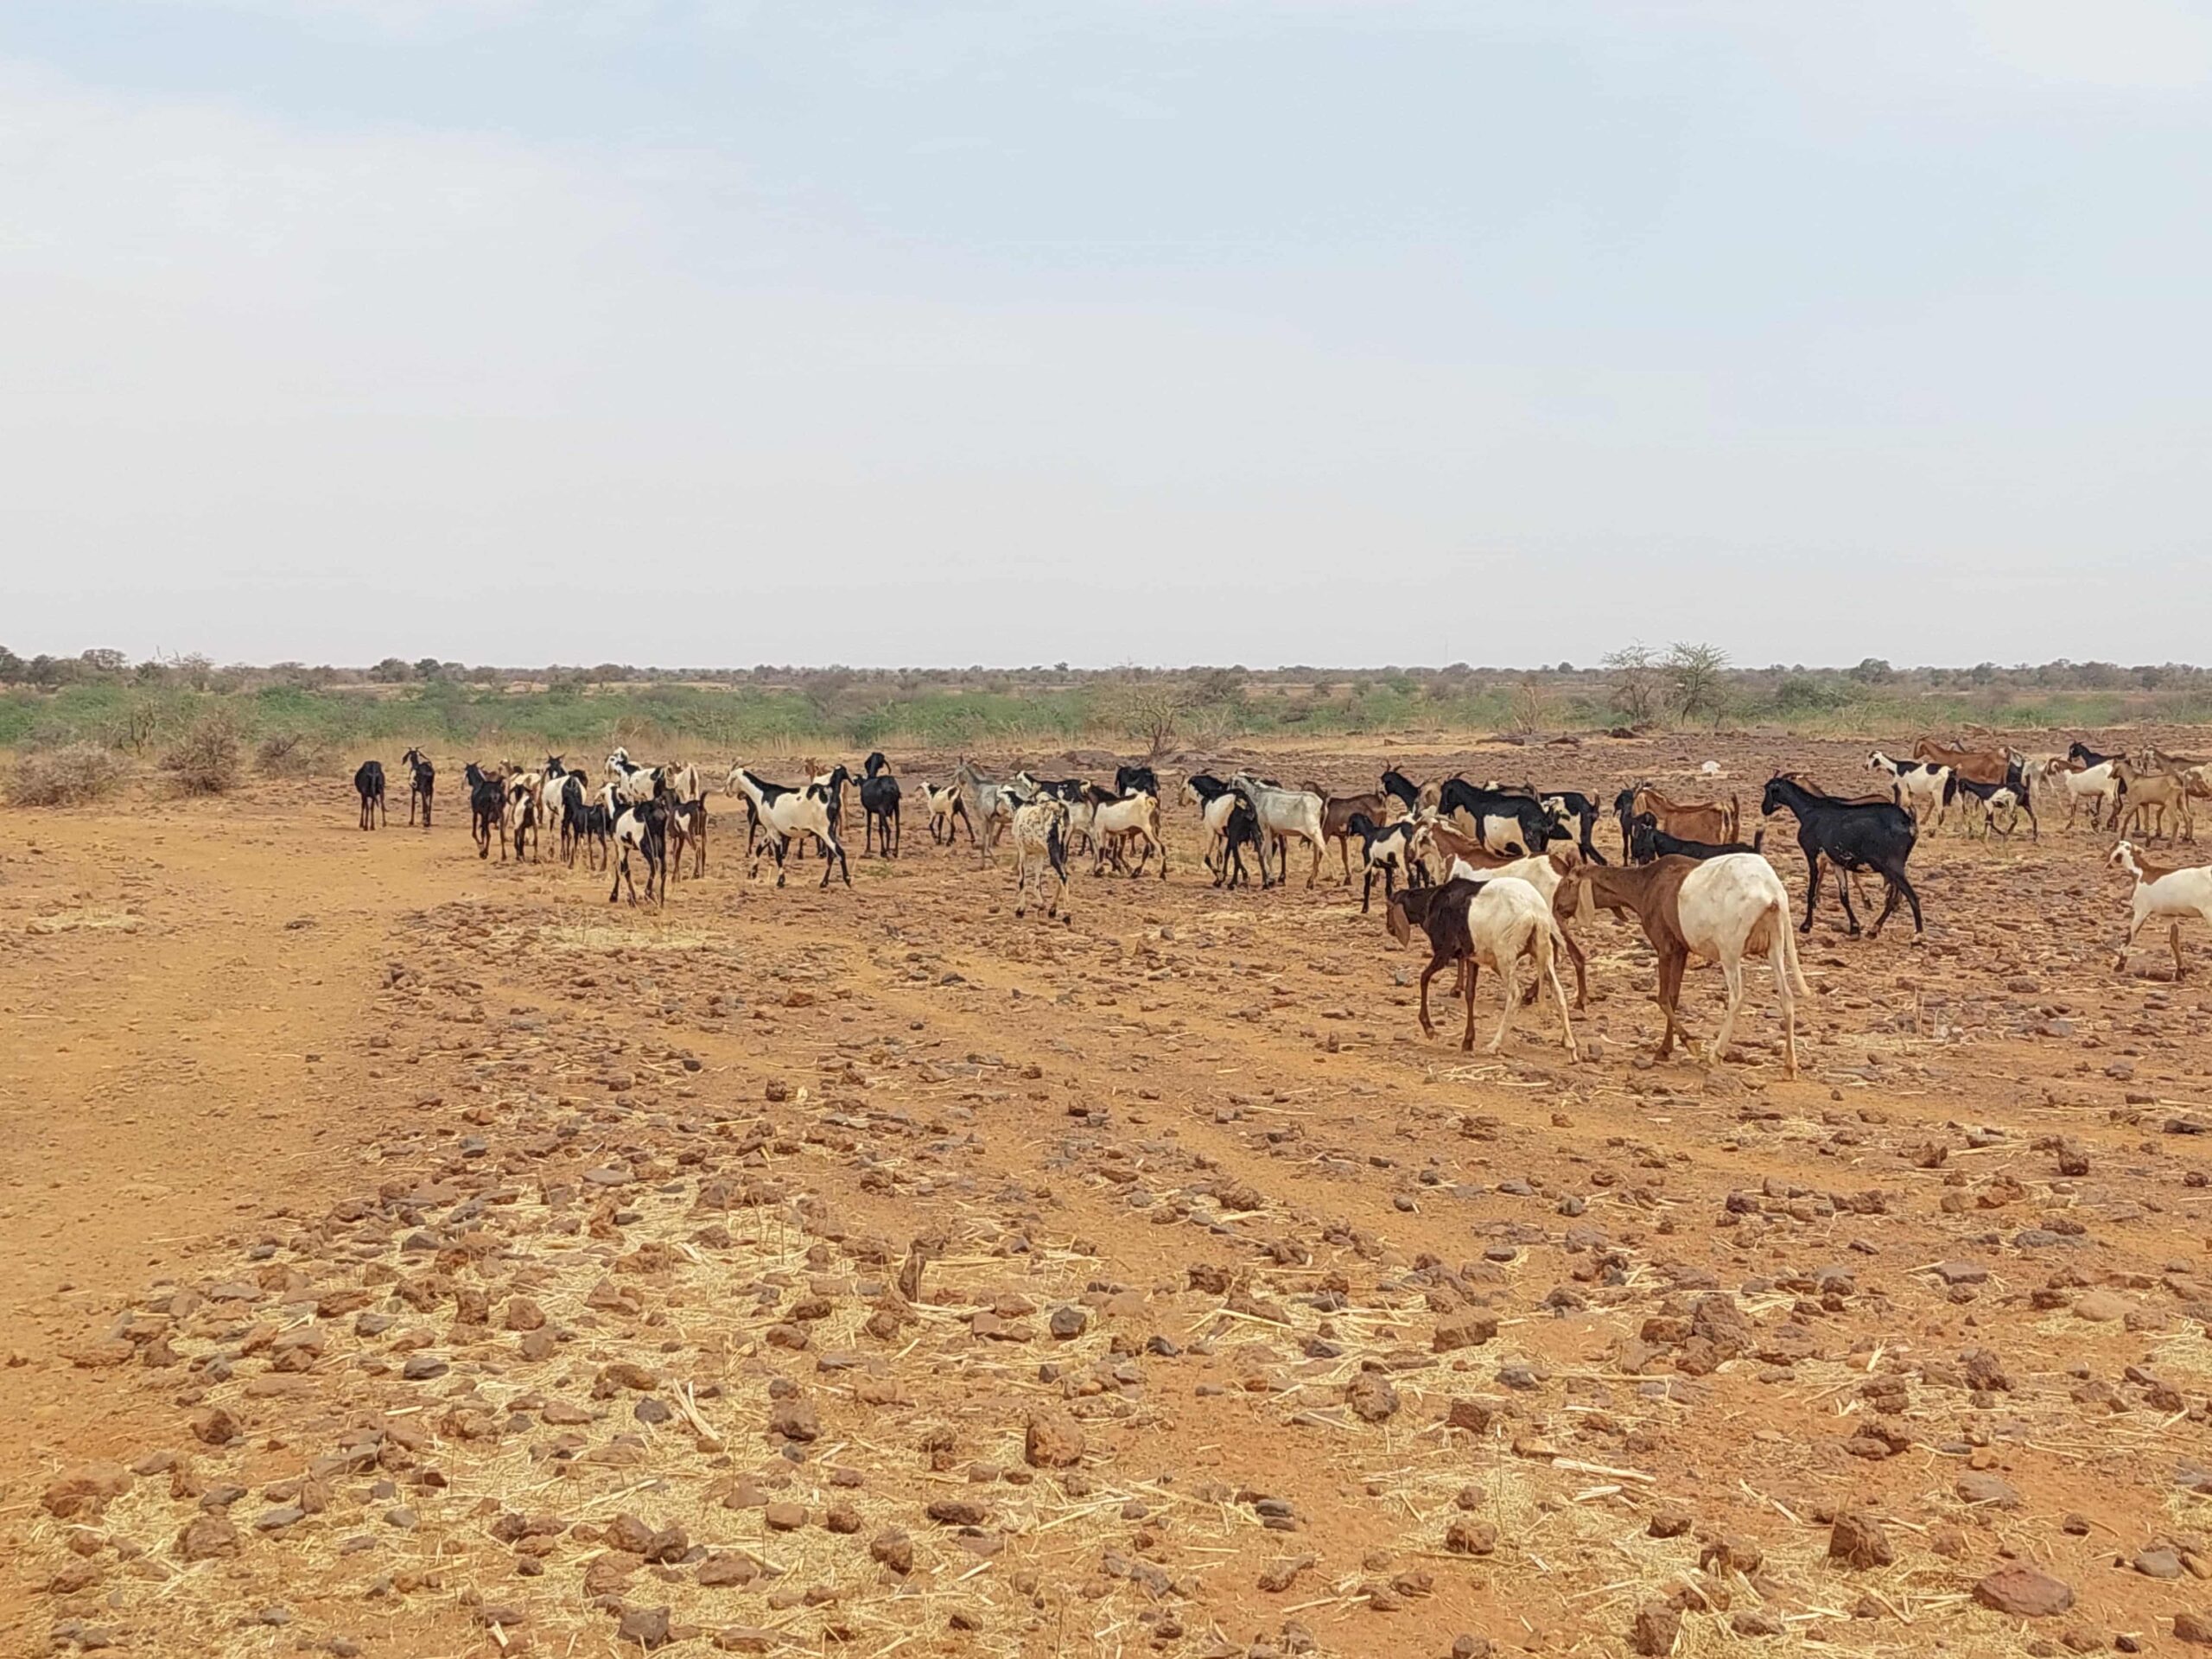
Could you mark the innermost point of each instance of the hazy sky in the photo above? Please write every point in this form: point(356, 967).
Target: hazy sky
point(1336, 331)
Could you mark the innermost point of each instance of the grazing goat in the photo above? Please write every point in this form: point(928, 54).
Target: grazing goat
point(2143, 792)
point(1501, 818)
point(643, 827)
point(421, 780)
point(486, 805)
point(1646, 840)
point(1285, 815)
point(1852, 836)
point(1040, 845)
point(368, 783)
point(1491, 923)
point(1720, 909)
point(1691, 820)
point(1387, 848)
point(1920, 787)
point(2162, 890)
point(1991, 799)
point(1215, 801)
point(785, 813)
point(1240, 829)
point(946, 805)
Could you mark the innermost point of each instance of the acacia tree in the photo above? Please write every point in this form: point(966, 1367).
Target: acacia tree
point(1639, 685)
point(1695, 679)
point(1150, 713)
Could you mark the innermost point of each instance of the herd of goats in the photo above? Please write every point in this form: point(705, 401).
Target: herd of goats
point(1493, 874)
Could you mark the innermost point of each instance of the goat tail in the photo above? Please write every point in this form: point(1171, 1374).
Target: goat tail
point(1759, 840)
point(1735, 817)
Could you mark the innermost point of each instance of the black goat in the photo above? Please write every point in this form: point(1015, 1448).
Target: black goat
point(1242, 830)
point(585, 822)
point(1873, 836)
point(1131, 780)
point(368, 781)
point(1397, 783)
point(1646, 840)
point(487, 800)
point(423, 778)
point(2079, 751)
point(879, 805)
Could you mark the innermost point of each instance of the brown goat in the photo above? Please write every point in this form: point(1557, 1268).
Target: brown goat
point(2141, 792)
point(1684, 820)
point(1338, 810)
point(1975, 765)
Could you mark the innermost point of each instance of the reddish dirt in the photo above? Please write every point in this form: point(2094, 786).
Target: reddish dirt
point(1144, 1284)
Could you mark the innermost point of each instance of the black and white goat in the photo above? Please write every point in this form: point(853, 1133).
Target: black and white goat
point(1040, 849)
point(1989, 800)
point(1216, 801)
point(1240, 829)
point(784, 814)
point(1388, 848)
point(643, 828)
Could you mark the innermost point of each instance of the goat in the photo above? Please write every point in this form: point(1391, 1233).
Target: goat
point(1403, 790)
point(1240, 829)
point(785, 813)
point(2078, 750)
point(879, 807)
point(368, 783)
point(1991, 799)
point(422, 780)
point(1916, 785)
point(587, 821)
point(1977, 766)
point(1571, 806)
point(1387, 848)
point(1852, 836)
point(1691, 820)
point(518, 818)
point(946, 805)
point(1136, 780)
point(686, 823)
point(2142, 793)
point(487, 797)
point(1041, 842)
point(1134, 817)
point(1646, 840)
point(2094, 782)
point(991, 803)
point(1339, 812)
point(1501, 818)
point(1216, 801)
point(2162, 890)
point(1495, 921)
point(1721, 909)
point(643, 826)
point(1285, 815)
point(1543, 871)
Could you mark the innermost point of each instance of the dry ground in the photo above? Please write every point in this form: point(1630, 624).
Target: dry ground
point(410, 1255)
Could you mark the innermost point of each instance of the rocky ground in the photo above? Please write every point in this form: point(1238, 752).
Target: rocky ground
point(420, 1256)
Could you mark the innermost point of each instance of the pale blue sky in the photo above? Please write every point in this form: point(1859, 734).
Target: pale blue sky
point(1342, 331)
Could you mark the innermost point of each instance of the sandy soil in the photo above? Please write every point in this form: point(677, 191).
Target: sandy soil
point(413, 1255)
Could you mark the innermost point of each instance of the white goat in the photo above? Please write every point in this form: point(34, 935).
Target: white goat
point(1040, 844)
point(785, 813)
point(2162, 890)
point(1132, 816)
point(1285, 816)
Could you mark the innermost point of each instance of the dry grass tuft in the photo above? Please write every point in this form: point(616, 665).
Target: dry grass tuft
point(68, 776)
point(286, 755)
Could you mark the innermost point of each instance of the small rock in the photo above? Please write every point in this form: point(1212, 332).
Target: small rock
point(784, 1516)
point(1858, 1540)
point(647, 1626)
point(2194, 1628)
point(2024, 1592)
point(1669, 1523)
point(1466, 1536)
point(1053, 1441)
point(1372, 1397)
point(85, 1488)
point(1654, 1629)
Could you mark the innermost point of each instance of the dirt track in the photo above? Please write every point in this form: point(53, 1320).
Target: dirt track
point(1148, 1284)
